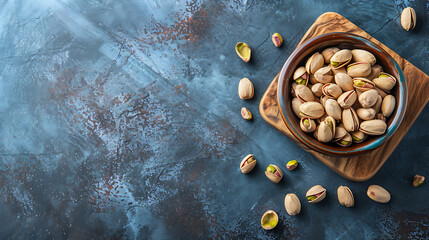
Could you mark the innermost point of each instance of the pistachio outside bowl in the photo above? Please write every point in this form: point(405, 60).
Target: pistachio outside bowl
point(350, 41)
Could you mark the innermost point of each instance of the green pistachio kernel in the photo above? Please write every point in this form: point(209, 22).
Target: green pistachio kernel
point(359, 83)
point(334, 64)
point(306, 122)
point(343, 142)
point(356, 138)
point(311, 198)
point(271, 169)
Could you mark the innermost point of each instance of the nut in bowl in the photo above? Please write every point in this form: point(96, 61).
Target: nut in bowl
point(346, 105)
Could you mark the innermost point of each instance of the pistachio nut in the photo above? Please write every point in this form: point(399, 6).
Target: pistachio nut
point(340, 132)
point(358, 136)
point(269, 220)
point(317, 89)
point(382, 93)
point(245, 89)
point(388, 105)
point(347, 99)
point(247, 164)
point(335, 71)
point(307, 125)
point(314, 63)
point(328, 53)
point(408, 18)
point(373, 127)
point(345, 196)
point(380, 116)
point(385, 81)
point(345, 141)
point(363, 84)
point(316, 132)
point(366, 113)
point(360, 55)
point(333, 109)
point(378, 194)
point(341, 58)
point(323, 99)
point(344, 81)
point(300, 76)
point(350, 120)
point(277, 39)
point(326, 130)
point(332, 90)
point(368, 98)
point(359, 69)
point(243, 51)
point(313, 79)
point(316, 194)
point(324, 75)
point(246, 114)
point(377, 105)
point(418, 180)
point(313, 110)
point(296, 103)
point(304, 93)
point(291, 165)
point(375, 71)
point(274, 173)
point(292, 204)
point(292, 89)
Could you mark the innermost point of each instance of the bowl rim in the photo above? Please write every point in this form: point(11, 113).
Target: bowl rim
point(310, 141)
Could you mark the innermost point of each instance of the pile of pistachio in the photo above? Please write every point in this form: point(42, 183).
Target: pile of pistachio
point(342, 96)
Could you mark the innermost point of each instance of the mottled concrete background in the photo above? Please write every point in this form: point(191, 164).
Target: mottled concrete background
point(120, 119)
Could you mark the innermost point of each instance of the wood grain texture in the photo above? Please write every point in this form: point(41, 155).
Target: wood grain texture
point(363, 167)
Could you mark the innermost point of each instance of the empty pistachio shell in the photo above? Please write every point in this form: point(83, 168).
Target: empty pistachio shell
point(373, 127)
point(300, 76)
point(366, 113)
point(313, 110)
point(363, 84)
point(314, 63)
point(345, 141)
point(378, 194)
point(358, 136)
point(345, 196)
point(347, 99)
point(388, 105)
point(307, 125)
point(304, 93)
point(277, 39)
point(341, 58)
point(243, 51)
point(368, 98)
point(375, 71)
point(317, 89)
point(324, 75)
point(292, 204)
point(385, 81)
point(344, 81)
point(380, 116)
point(247, 164)
point(333, 109)
point(291, 165)
point(328, 53)
point(245, 89)
point(408, 18)
point(326, 130)
point(340, 132)
point(377, 105)
point(332, 90)
point(246, 114)
point(350, 120)
point(418, 180)
point(296, 103)
point(316, 194)
point(269, 220)
point(360, 55)
point(274, 173)
point(359, 69)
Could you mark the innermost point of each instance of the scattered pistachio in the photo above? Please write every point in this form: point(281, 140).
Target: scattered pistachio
point(243, 51)
point(291, 165)
point(316, 194)
point(378, 194)
point(274, 173)
point(408, 18)
point(246, 114)
point(418, 180)
point(247, 164)
point(245, 89)
point(277, 39)
point(269, 220)
point(345, 196)
point(292, 204)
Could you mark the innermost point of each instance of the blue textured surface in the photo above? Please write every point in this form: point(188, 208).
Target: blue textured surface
point(120, 119)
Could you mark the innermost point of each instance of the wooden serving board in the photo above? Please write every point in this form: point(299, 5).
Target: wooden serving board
point(362, 167)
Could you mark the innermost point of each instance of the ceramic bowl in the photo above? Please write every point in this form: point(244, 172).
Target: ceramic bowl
point(349, 41)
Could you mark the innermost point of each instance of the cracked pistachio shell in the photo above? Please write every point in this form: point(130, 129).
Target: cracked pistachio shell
point(313, 110)
point(385, 81)
point(328, 53)
point(345, 196)
point(347, 99)
point(274, 178)
point(332, 90)
point(378, 194)
point(345, 141)
point(408, 18)
point(341, 58)
point(269, 215)
point(375, 71)
point(245, 166)
point(350, 120)
point(296, 103)
point(304, 93)
point(333, 109)
point(326, 130)
point(373, 127)
point(243, 51)
point(360, 55)
point(317, 89)
point(380, 116)
point(362, 84)
point(307, 125)
point(316, 190)
point(324, 75)
point(344, 81)
point(369, 98)
point(245, 89)
point(292, 204)
point(377, 105)
point(388, 105)
point(359, 69)
point(366, 113)
point(314, 63)
point(300, 76)
point(358, 136)
point(277, 39)
point(340, 132)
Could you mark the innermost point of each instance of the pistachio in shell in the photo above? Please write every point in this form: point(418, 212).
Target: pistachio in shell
point(341, 58)
point(360, 55)
point(323, 99)
point(378, 194)
point(344, 81)
point(333, 109)
point(388, 105)
point(292, 89)
point(408, 18)
point(292, 204)
point(380, 116)
point(269, 220)
point(347, 99)
point(359, 69)
point(246, 114)
point(245, 89)
point(247, 164)
point(313, 110)
point(314, 63)
point(300, 76)
point(375, 71)
point(324, 75)
point(243, 51)
point(307, 125)
point(335, 71)
point(345, 196)
point(328, 53)
point(313, 79)
point(358, 136)
point(317, 89)
point(326, 130)
point(368, 98)
point(274, 173)
point(304, 93)
point(316, 194)
point(385, 81)
point(363, 84)
point(377, 105)
point(345, 141)
point(296, 103)
point(340, 132)
point(332, 90)
point(366, 113)
point(277, 39)
point(350, 120)
point(382, 93)
point(373, 127)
